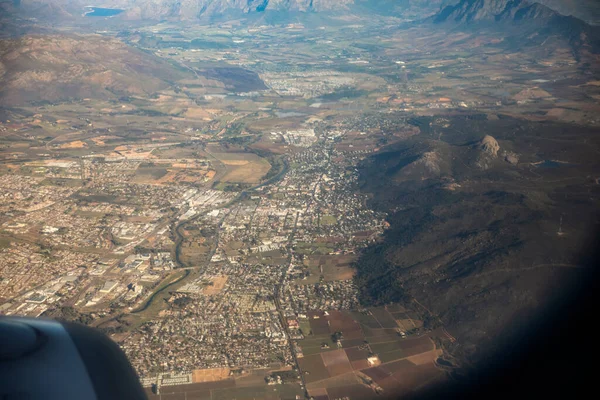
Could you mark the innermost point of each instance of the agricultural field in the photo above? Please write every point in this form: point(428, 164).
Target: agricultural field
point(172, 173)
point(329, 267)
point(217, 384)
point(215, 286)
point(313, 248)
point(372, 358)
point(210, 374)
point(243, 167)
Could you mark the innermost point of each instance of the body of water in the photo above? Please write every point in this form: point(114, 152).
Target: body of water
point(553, 164)
point(102, 12)
point(287, 114)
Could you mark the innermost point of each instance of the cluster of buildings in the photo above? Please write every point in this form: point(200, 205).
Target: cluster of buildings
point(242, 308)
point(208, 331)
point(306, 84)
point(101, 245)
point(20, 194)
point(298, 137)
point(33, 278)
point(334, 295)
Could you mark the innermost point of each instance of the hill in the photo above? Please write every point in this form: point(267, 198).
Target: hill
point(586, 10)
point(523, 23)
point(58, 68)
point(189, 10)
point(483, 225)
point(495, 10)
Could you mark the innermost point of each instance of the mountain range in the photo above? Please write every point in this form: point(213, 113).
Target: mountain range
point(474, 235)
point(497, 10)
point(588, 10)
point(531, 23)
point(182, 9)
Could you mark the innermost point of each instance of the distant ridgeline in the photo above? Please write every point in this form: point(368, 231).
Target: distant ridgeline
point(102, 12)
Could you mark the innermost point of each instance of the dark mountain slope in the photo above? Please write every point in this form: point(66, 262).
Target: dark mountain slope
point(497, 10)
point(528, 23)
point(476, 233)
point(586, 10)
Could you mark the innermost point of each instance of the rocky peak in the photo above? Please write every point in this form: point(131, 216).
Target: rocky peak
point(489, 145)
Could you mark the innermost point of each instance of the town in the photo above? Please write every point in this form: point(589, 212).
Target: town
point(214, 228)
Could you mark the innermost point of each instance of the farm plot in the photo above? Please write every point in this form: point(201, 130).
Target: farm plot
point(336, 362)
point(313, 368)
point(243, 167)
point(384, 317)
point(351, 392)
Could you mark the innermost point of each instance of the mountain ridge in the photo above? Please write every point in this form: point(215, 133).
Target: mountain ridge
point(534, 19)
point(77, 67)
point(496, 10)
point(183, 9)
point(193, 9)
point(465, 221)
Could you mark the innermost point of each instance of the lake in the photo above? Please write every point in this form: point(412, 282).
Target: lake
point(552, 164)
point(102, 12)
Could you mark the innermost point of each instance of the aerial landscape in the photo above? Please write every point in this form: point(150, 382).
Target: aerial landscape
point(348, 199)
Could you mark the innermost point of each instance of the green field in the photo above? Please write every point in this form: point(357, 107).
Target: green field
point(307, 248)
point(4, 243)
point(312, 344)
point(328, 220)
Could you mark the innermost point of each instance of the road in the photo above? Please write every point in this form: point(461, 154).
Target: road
point(180, 238)
point(238, 198)
point(276, 296)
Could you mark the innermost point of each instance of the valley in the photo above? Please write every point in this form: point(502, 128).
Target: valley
point(329, 204)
